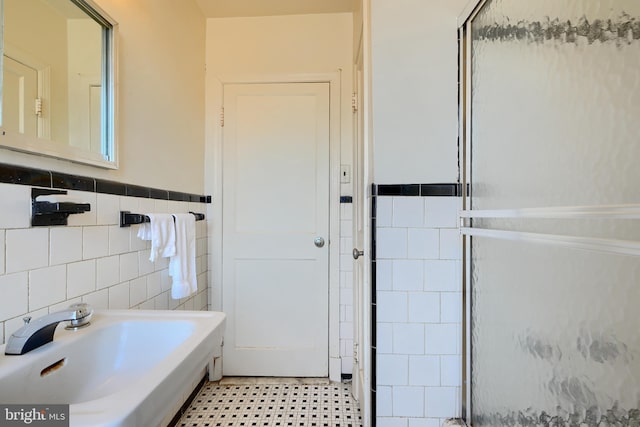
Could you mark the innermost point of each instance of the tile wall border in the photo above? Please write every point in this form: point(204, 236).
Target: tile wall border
point(21, 175)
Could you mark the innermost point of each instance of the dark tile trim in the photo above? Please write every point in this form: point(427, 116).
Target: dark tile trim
point(73, 182)
point(111, 187)
point(422, 190)
point(346, 199)
point(184, 197)
point(373, 308)
point(137, 191)
point(12, 174)
point(399, 190)
point(158, 194)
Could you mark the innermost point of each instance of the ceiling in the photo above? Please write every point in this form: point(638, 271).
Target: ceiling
point(236, 8)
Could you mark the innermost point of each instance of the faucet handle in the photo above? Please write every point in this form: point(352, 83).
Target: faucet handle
point(26, 320)
point(82, 309)
point(82, 315)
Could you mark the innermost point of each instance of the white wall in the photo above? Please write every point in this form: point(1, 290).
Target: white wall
point(294, 44)
point(414, 72)
point(161, 98)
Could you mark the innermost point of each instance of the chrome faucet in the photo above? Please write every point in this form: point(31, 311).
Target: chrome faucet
point(39, 332)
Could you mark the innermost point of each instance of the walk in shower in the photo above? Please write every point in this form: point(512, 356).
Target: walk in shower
point(550, 143)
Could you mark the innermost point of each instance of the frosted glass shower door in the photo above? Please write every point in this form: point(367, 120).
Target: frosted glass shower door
point(551, 123)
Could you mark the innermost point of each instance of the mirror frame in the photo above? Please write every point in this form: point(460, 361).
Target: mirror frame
point(108, 157)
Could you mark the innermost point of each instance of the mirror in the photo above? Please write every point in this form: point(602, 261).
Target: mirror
point(58, 80)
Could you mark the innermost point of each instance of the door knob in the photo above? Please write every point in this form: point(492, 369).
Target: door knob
point(356, 253)
point(318, 241)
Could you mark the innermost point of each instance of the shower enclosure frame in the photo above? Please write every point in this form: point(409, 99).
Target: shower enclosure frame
point(464, 159)
point(467, 215)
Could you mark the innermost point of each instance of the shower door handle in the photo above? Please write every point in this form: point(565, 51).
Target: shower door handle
point(356, 253)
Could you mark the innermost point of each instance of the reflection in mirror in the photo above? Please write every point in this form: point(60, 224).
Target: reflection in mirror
point(57, 88)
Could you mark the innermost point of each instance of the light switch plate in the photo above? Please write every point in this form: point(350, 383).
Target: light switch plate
point(345, 174)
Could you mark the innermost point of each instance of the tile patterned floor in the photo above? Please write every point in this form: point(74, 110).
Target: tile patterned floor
point(281, 404)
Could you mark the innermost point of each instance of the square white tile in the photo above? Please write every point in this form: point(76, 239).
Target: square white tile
point(47, 286)
point(441, 275)
point(424, 370)
point(408, 401)
point(391, 243)
point(384, 275)
point(384, 401)
point(137, 291)
point(119, 239)
point(441, 339)
point(145, 266)
point(451, 307)
point(408, 338)
point(26, 249)
point(408, 275)
point(99, 300)
point(107, 271)
point(65, 245)
point(392, 422)
point(424, 307)
point(450, 243)
point(392, 369)
point(95, 242)
point(384, 211)
point(107, 209)
point(425, 422)
point(129, 266)
point(154, 284)
point(392, 307)
point(15, 295)
point(384, 340)
point(15, 205)
point(423, 243)
point(408, 212)
point(119, 296)
point(442, 212)
point(441, 402)
point(451, 371)
point(81, 278)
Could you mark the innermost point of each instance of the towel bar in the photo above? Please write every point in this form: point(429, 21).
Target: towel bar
point(127, 218)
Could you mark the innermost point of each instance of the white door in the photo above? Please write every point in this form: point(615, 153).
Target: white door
point(275, 229)
point(20, 90)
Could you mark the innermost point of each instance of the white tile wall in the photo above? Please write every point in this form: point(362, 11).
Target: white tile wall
point(346, 288)
point(93, 259)
point(419, 304)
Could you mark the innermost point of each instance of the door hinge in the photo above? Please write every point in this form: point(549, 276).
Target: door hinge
point(354, 102)
point(355, 353)
point(38, 107)
point(222, 117)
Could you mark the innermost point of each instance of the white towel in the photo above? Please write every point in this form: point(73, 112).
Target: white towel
point(162, 233)
point(182, 266)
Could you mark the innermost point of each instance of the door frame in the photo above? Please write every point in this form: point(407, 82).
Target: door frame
point(43, 72)
point(214, 185)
